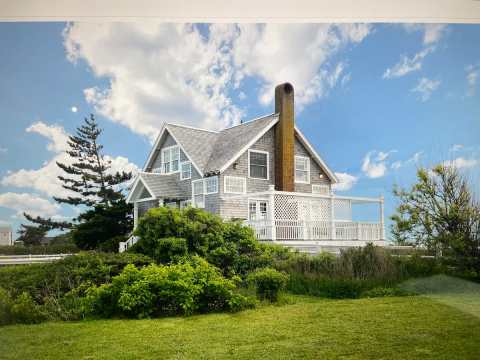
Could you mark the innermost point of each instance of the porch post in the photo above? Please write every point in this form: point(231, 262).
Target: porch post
point(382, 219)
point(135, 215)
point(332, 217)
point(271, 212)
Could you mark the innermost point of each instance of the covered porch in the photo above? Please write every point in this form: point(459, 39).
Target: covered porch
point(315, 219)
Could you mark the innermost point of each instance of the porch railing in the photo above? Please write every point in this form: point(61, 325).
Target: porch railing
point(284, 230)
point(125, 245)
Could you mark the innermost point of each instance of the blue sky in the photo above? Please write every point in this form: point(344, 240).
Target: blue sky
point(377, 101)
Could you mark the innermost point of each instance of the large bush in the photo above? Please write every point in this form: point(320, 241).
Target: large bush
point(184, 288)
point(268, 283)
point(168, 234)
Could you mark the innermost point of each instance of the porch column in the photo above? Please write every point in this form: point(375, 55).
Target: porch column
point(271, 211)
point(332, 217)
point(135, 215)
point(382, 219)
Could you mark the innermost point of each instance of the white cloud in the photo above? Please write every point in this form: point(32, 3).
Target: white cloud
point(432, 33)
point(168, 72)
point(74, 109)
point(425, 87)
point(456, 147)
point(462, 163)
point(3, 150)
point(413, 160)
point(407, 65)
point(375, 166)
point(472, 77)
point(29, 203)
point(297, 53)
point(45, 179)
point(345, 181)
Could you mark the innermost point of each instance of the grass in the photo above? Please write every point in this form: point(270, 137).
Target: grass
point(414, 327)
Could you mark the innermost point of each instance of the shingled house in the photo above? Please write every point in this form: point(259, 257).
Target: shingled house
point(264, 172)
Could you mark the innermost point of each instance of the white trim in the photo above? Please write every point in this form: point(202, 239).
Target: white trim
point(316, 157)
point(162, 159)
point(249, 121)
point(307, 170)
point(203, 193)
point(157, 141)
point(246, 147)
point(181, 171)
point(268, 163)
point(244, 181)
point(193, 127)
point(135, 184)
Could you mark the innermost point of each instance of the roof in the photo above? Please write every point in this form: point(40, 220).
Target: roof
point(214, 151)
point(158, 185)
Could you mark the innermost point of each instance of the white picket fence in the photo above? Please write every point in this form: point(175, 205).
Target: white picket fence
point(30, 259)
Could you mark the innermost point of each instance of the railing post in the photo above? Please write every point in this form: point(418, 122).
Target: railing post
point(382, 219)
point(332, 218)
point(135, 215)
point(271, 212)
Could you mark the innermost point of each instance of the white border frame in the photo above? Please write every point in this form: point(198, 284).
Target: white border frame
point(268, 164)
point(308, 169)
point(181, 172)
point(203, 193)
point(205, 185)
point(244, 180)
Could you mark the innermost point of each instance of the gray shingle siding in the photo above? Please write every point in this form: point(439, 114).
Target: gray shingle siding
point(143, 206)
point(315, 170)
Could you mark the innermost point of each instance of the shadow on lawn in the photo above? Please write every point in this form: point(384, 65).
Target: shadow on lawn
point(458, 293)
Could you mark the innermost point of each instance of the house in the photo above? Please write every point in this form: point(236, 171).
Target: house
point(6, 237)
point(264, 172)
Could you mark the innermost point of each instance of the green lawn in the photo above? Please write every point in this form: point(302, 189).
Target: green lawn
point(381, 328)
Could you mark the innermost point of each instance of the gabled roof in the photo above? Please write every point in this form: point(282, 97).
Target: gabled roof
point(158, 185)
point(212, 151)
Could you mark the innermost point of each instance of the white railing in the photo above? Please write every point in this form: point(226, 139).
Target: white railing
point(315, 230)
point(124, 245)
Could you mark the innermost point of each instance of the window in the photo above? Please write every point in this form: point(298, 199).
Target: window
point(170, 159)
point(186, 170)
point(321, 189)
point(258, 164)
point(257, 210)
point(211, 185)
point(198, 193)
point(302, 169)
point(235, 185)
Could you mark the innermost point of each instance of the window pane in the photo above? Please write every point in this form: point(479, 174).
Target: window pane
point(186, 170)
point(257, 171)
point(212, 184)
point(197, 187)
point(258, 158)
point(174, 165)
point(234, 184)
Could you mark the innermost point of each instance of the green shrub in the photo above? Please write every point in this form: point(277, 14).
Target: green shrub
point(22, 309)
point(170, 249)
point(156, 290)
point(268, 283)
point(384, 291)
point(67, 248)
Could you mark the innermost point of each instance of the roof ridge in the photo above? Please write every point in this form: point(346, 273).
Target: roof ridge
point(192, 127)
point(249, 121)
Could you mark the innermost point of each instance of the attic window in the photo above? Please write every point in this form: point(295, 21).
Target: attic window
point(170, 159)
point(258, 164)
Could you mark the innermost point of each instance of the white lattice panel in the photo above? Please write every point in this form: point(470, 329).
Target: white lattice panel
point(290, 207)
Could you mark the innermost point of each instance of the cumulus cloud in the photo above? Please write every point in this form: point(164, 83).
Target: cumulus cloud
point(432, 33)
point(472, 77)
point(30, 203)
point(45, 179)
point(374, 163)
point(425, 87)
point(407, 65)
point(177, 73)
point(298, 53)
point(462, 163)
point(345, 181)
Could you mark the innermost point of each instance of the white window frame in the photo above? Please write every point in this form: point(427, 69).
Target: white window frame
point(307, 170)
point(242, 179)
point(321, 189)
point(175, 148)
point(206, 192)
point(189, 163)
point(194, 203)
point(268, 164)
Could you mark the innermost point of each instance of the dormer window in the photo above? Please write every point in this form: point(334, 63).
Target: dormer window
point(258, 164)
point(302, 169)
point(170, 159)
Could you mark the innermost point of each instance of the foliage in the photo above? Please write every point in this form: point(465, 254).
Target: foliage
point(440, 213)
point(184, 288)
point(384, 292)
point(20, 310)
point(87, 175)
point(268, 283)
point(104, 226)
point(31, 234)
point(227, 245)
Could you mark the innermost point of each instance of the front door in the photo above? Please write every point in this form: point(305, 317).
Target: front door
point(257, 214)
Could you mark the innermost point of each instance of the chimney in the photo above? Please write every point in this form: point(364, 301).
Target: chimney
point(284, 138)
